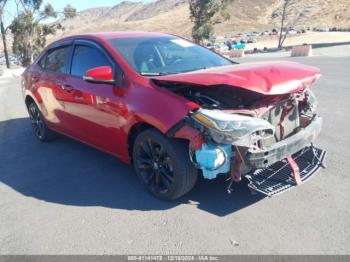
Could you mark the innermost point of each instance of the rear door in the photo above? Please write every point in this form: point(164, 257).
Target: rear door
point(93, 108)
point(49, 80)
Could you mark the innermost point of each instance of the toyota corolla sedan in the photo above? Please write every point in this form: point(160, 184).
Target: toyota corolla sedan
point(176, 110)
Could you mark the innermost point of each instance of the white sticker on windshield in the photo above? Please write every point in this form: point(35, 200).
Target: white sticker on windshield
point(182, 42)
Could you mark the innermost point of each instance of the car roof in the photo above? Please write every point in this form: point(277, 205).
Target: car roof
point(102, 36)
point(113, 35)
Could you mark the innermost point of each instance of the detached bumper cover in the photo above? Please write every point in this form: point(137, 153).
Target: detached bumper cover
point(287, 147)
point(278, 177)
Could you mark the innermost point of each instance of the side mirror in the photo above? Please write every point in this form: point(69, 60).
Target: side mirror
point(101, 74)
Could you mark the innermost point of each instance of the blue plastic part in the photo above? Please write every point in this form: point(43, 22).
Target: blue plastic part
point(214, 159)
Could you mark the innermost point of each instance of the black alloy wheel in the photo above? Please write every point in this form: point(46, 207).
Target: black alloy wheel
point(155, 166)
point(163, 165)
point(40, 129)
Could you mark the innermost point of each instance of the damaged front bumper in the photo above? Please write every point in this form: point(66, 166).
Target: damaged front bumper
point(280, 176)
point(270, 170)
point(261, 158)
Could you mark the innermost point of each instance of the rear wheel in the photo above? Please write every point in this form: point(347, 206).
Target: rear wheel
point(40, 129)
point(163, 165)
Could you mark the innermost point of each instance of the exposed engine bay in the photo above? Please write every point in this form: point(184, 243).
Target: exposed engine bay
point(219, 97)
point(243, 132)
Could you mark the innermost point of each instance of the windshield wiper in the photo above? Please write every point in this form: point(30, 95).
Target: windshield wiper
point(153, 73)
point(195, 69)
point(173, 73)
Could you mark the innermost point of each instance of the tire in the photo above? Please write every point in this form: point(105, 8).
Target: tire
point(40, 129)
point(163, 165)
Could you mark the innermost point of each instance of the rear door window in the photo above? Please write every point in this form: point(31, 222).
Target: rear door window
point(85, 58)
point(56, 60)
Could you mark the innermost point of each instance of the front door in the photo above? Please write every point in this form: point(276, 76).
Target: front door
point(93, 108)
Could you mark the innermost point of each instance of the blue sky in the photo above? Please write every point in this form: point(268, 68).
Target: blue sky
point(78, 4)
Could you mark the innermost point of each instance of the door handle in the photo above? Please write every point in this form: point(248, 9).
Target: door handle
point(35, 79)
point(67, 88)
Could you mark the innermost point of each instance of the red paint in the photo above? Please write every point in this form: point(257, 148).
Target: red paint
point(102, 73)
point(103, 114)
point(296, 170)
point(270, 78)
point(236, 164)
point(191, 134)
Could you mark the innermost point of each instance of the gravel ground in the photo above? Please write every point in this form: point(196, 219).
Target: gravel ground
point(331, 51)
point(309, 38)
point(67, 198)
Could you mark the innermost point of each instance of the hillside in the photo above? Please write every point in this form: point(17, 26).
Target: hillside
point(172, 16)
point(163, 15)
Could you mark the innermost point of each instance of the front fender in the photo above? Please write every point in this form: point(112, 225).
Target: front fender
point(159, 107)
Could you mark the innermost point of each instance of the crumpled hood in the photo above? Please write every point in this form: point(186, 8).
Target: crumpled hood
point(270, 78)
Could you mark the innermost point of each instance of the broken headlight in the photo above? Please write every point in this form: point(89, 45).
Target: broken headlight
point(235, 129)
point(311, 100)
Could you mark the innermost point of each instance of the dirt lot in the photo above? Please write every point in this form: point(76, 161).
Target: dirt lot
point(308, 38)
point(67, 198)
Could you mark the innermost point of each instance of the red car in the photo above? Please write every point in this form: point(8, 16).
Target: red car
point(177, 110)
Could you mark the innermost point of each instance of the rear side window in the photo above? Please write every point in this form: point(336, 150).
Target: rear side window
point(55, 60)
point(85, 58)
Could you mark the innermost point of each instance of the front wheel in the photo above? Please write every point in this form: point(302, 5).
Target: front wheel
point(163, 165)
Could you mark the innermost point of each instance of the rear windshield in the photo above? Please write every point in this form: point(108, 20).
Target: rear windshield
point(165, 55)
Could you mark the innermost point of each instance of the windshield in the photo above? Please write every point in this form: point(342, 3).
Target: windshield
point(165, 55)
